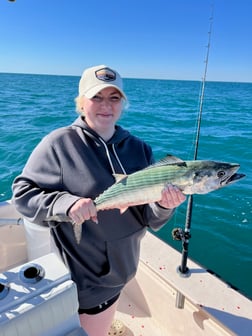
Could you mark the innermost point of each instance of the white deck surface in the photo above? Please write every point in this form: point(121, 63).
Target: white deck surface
point(211, 307)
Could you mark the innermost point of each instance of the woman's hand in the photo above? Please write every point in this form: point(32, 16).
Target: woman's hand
point(82, 210)
point(172, 197)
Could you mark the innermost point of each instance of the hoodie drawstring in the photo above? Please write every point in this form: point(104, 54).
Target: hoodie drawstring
point(107, 152)
point(118, 160)
point(109, 158)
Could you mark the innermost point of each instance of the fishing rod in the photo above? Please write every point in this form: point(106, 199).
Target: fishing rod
point(178, 233)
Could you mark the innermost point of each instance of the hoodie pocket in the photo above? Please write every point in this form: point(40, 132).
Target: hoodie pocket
point(123, 258)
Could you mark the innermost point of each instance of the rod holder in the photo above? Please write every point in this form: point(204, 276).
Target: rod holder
point(180, 300)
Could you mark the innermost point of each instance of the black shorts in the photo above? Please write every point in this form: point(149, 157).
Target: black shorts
point(98, 309)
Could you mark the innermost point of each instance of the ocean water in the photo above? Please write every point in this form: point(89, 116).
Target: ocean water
point(164, 113)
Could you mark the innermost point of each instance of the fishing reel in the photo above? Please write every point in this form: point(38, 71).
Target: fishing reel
point(180, 234)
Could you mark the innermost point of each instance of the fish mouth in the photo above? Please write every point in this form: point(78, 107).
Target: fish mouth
point(233, 178)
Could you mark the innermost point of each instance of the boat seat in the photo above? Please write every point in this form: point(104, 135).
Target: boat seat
point(39, 299)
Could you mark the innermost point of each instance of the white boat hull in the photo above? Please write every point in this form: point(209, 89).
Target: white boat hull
point(148, 303)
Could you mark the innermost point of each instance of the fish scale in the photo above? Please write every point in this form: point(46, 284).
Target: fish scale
point(146, 185)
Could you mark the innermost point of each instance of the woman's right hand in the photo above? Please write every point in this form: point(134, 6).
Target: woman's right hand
point(82, 210)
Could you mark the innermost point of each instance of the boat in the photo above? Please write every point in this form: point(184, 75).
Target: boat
point(38, 297)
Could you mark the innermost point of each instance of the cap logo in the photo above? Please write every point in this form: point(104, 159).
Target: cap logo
point(105, 74)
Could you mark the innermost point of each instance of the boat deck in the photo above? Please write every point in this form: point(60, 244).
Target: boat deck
point(148, 304)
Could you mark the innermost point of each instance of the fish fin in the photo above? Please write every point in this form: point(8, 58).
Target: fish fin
point(77, 228)
point(169, 159)
point(58, 218)
point(122, 210)
point(119, 177)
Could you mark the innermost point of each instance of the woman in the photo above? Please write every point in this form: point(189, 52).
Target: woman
point(67, 170)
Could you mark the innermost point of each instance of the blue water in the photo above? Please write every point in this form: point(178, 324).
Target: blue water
point(164, 113)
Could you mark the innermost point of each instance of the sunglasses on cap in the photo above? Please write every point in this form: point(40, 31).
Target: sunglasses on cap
point(105, 74)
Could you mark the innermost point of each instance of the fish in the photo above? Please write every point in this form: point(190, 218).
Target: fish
point(60, 218)
point(146, 185)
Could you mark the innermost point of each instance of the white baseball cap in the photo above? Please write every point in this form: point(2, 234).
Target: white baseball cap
point(99, 77)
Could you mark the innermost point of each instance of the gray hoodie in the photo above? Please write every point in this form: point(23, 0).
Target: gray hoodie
point(74, 162)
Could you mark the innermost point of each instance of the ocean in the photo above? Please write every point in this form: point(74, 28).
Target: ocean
point(164, 113)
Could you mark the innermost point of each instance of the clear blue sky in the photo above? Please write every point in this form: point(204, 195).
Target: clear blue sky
point(140, 38)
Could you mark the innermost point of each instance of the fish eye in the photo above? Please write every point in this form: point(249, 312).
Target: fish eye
point(221, 173)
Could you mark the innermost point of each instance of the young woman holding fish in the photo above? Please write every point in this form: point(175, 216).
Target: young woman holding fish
point(72, 166)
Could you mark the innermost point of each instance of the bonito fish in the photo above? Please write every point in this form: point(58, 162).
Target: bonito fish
point(146, 185)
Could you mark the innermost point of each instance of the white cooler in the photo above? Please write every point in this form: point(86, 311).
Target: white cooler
point(39, 299)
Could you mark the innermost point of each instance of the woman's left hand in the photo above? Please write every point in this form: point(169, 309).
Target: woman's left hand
point(172, 197)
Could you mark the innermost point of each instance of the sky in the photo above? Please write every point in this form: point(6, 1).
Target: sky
point(162, 39)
